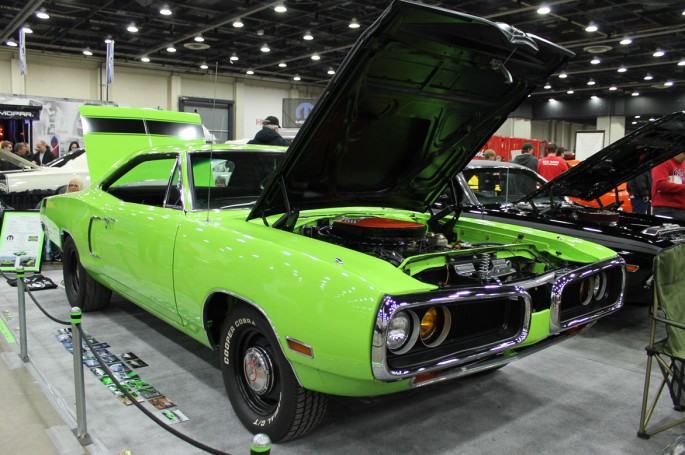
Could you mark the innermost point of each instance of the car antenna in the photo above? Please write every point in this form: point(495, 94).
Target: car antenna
point(211, 146)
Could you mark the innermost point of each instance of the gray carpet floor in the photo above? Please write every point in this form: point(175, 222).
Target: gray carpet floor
point(581, 396)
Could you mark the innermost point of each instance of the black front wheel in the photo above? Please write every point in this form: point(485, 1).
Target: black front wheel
point(82, 290)
point(260, 383)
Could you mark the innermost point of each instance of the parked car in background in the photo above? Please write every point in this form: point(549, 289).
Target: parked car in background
point(335, 276)
point(618, 195)
point(637, 238)
point(23, 189)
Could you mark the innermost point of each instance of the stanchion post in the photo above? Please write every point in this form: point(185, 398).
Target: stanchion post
point(81, 429)
point(261, 444)
point(23, 345)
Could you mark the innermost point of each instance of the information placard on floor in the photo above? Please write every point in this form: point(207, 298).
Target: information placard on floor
point(21, 241)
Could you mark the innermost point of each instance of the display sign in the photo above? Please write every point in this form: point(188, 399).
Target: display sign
point(21, 241)
point(296, 111)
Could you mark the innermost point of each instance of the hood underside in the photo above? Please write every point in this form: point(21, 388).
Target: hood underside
point(420, 92)
point(626, 158)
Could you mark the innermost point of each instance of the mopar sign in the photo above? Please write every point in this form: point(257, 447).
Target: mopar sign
point(296, 111)
point(19, 111)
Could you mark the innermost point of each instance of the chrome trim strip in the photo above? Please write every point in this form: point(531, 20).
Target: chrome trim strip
point(488, 364)
point(555, 324)
point(389, 306)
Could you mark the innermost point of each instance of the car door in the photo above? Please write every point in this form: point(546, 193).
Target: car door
point(135, 233)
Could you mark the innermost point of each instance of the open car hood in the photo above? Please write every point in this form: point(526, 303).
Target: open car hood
point(418, 95)
point(111, 133)
point(626, 158)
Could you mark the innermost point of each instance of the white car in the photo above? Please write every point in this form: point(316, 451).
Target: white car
point(24, 188)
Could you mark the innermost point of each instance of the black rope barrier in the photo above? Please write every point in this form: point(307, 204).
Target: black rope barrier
point(126, 393)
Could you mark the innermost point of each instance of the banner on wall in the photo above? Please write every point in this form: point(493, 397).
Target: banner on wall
point(110, 61)
point(22, 51)
point(296, 111)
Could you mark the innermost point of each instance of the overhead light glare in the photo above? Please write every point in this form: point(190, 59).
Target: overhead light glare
point(11, 43)
point(199, 38)
point(238, 23)
point(595, 61)
point(658, 53)
point(681, 63)
point(544, 9)
point(591, 82)
point(171, 49)
point(613, 88)
point(132, 28)
point(591, 28)
point(265, 48)
point(109, 39)
point(87, 51)
point(625, 41)
point(280, 8)
point(27, 29)
point(330, 71)
point(250, 72)
point(594, 97)
point(282, 65)
point(308, 36)
point(316, 57)
point(297, 78)
point(668, 83)
point(635, 94)
point(42, 14)
point(165, 11)
point(570, 92)
point(204, 66)
point(354, 23)
point(648, 77)
point(622, 69)
point(563, 75)
point(145, 59)
point(234, 57)
point(548, 86)
point(637, 116)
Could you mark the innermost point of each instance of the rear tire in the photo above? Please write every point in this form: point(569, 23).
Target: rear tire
point(260, 382)
point(82, 290)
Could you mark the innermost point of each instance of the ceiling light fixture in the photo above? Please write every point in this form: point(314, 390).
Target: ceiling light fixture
point(308, 36)
point(42, 14)
point(145, 59)
point(132, 28)
point(234, 57)
point(622, 69)
point(591, 28)
point(316, 57)
point(570, 92)
point(594, 97)
point(548, 86)
point(282, 65)
point(238, 23)
point(330, 71)
point(563, 75)
point(681, 63)
point(27, 29)
point(668, 83)
point(11, 43)
point(595, 61)
point(544, 9)
point(635, 94)
point(280, 7)
point(109, 39)
point(260, 32)
point(625, 41)
point(171, 49)
point(265, 48)
point(199, 38)
point(87, 51)
point(354, 23)
point(204, 66)
point(165, 11)
point(659, 53)
point(591, 82)
point(637, 116)
point(297, 78)
point(250, 72)
point(648, 77)
point(613, 88)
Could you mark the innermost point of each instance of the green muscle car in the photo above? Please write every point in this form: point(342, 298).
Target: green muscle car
point(324, 270)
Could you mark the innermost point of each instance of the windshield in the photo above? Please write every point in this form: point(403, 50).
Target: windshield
point(62, 160)
point(230, 179)
point(502, 185)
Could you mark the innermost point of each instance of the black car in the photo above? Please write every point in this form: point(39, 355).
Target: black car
point(523, 197)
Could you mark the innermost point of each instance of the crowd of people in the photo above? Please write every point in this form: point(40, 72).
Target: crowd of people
point(659, 191)
point(42, 156)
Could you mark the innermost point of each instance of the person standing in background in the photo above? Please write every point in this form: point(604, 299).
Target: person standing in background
point(73, 146)
point(640, 189)
point(552, 165)
point(268, 135)
point(668, 188)
point(526, 157)
point(43, 154)
point(22, 149)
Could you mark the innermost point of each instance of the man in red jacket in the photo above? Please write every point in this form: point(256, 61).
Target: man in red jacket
point(552, 165)
point(668, 188)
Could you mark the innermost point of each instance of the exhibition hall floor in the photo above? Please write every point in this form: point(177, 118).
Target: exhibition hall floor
point(581, 396)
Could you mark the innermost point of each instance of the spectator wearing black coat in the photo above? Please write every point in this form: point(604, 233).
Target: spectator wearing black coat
point(268, 135)
point(640, 189)
point(43, 154)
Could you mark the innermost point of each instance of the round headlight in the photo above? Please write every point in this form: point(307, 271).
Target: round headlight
point(429, 323)
point(435, 326)
point(600, 286)
point(399, 330)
